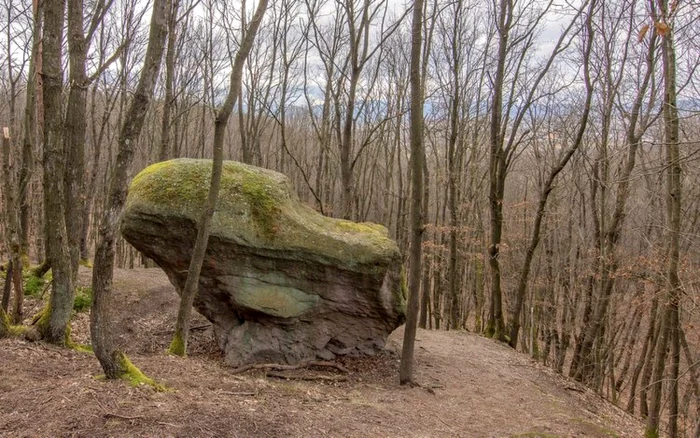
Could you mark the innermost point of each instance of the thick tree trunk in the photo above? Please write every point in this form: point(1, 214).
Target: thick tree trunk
point(179, 343)
point(53, 326)
point(75, 127)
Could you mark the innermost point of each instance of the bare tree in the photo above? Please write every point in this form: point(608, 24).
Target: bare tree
point(608, 227)
point(178, 345)
point(114, 362)
point(670, 328)
point(516, 26)
point(417, 159)
point(53, 325)
point(548, 185)
point(14, 267)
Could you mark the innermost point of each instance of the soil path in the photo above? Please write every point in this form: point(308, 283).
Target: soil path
point(470, 387)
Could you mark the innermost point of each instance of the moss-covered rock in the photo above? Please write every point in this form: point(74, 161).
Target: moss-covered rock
point(279, 281)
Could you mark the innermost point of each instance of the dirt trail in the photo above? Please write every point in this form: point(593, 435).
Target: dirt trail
point(470, 387)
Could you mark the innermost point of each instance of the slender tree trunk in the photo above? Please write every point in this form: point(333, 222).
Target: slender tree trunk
point(671, 327)
point(168, 100)
point(30, 130)
point(113, 361)
point(495, 326)
point(14, 267)
point(452, 170)
point(7, 287)
point(178, 345)
point(74, 134)
point(417, 157)
point(4, 325)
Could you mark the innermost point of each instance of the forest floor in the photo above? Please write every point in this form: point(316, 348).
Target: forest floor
point(469, 387)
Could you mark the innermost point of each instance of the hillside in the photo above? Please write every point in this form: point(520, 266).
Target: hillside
point(470, 387)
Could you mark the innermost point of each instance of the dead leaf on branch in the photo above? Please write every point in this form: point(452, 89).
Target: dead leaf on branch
point(642, 33)
point(661, 28)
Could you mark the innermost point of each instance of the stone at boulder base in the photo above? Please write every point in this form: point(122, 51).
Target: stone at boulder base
point(280, 282)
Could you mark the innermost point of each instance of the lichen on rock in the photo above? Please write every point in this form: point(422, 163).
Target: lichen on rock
point(279, 281)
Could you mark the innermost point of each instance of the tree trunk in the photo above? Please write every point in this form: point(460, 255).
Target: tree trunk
point(14, 267)
point(168, 100)
point(495, 326)
point(74, 134)
point(178, 345)
point(583, 363)
point(30, 129)
point(417, 157)
point(53, 326)
point(112, 360)
point(671, 326)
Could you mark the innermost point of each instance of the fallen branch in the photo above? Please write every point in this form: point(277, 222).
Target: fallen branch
point(573, 388)
point(307, 378)
point(282, 367)
point(122, 417)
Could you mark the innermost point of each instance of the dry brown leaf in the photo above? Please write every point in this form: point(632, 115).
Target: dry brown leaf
point(661, 28)
point(642, 33)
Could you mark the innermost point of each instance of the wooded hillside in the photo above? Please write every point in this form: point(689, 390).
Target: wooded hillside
point(561, 193)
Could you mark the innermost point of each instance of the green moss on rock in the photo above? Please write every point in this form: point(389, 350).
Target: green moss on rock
point(257, 208)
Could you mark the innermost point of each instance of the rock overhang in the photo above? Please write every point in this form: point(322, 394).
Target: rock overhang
point(276, 272)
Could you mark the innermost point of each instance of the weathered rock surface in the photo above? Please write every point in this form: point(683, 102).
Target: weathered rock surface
point(280, 282)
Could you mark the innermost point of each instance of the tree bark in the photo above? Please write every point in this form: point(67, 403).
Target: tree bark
point(53, 326)
point(14, 267)
point(495, 326)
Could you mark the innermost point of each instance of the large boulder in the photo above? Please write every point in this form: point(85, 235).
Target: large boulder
point(280, 282)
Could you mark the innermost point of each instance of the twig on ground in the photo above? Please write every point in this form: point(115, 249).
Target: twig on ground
point(307, 378)
point(282, 367)
point(238, 393)
point(98, 402)
point(122, 417)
